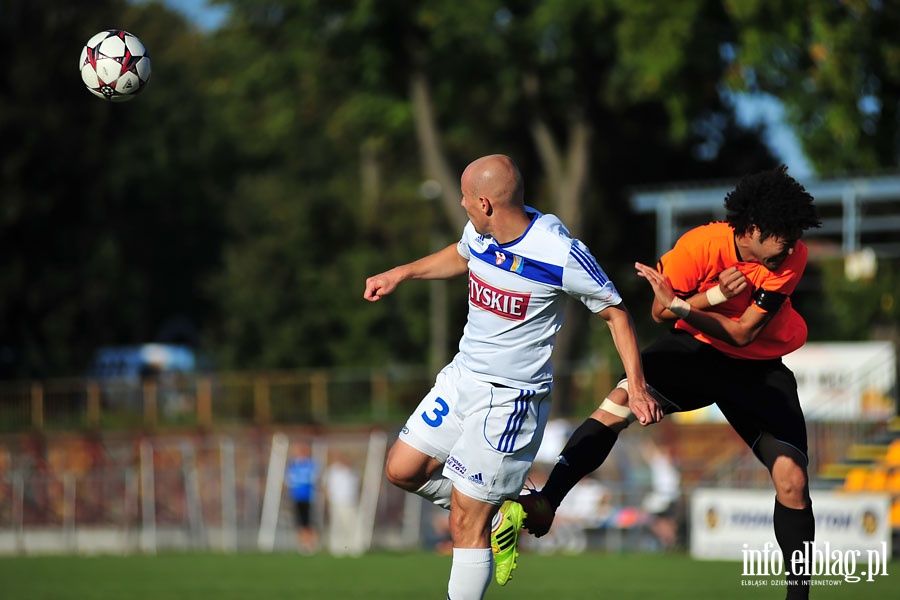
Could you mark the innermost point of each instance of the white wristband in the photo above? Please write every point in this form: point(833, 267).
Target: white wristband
point(680, 307)
point(715, 296)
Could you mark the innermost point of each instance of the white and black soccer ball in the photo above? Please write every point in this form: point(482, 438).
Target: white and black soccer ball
point(115, 65)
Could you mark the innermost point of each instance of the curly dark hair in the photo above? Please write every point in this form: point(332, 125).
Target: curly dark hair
point(774, 202)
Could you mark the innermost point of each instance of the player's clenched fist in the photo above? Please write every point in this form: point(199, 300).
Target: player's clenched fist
point(732, 282)
point(382, 284)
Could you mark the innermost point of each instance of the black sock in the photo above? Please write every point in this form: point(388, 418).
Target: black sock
point(793, 528)
point(586, 450)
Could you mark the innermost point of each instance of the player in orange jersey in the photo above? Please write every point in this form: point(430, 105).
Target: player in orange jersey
point(727, 286)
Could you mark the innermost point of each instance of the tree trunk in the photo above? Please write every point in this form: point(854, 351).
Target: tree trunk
point(567, 174)
point(435, 165)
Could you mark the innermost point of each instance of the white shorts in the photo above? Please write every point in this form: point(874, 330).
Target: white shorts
point(487, 435)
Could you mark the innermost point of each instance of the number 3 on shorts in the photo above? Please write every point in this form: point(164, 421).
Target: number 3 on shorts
point(440, 411)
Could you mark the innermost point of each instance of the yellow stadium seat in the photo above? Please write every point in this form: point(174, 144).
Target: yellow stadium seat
point(877, 480)
point(892, 458)
point(893, 481)
point(895, 515)
point(856, 479)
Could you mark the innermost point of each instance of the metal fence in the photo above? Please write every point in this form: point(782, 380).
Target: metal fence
point(207, 400)
point(223, 399)
point(181, 461)
point(216, 492)
point(151, 493)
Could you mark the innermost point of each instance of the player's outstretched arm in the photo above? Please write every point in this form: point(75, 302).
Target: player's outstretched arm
point(621, 326)
point(443, 264)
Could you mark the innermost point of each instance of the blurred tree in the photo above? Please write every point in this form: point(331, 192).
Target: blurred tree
point(836, 68)
point(858, 309)
point(309, 136)
point(274, 163)
point(356, 103)
point(107, 222)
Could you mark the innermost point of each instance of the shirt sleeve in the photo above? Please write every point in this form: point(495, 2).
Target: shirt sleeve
point(785, 279)
point(584, 279)
point(463, 245)
point(683, 266)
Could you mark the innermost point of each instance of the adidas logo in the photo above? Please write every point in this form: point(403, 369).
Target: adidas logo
point(506, 538)
point(476, 478)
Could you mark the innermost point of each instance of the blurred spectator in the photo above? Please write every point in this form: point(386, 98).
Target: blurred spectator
point(663, 500)
point(588, 506)
point(342, 490)
point(300, 478)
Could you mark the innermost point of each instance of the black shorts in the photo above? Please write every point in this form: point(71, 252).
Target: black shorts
point(302, 513)
point(756, 396)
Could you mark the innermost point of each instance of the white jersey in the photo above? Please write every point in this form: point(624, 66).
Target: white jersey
point(517, 296)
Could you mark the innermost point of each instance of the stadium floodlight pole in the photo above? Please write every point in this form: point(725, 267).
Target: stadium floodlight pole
point(437, 291)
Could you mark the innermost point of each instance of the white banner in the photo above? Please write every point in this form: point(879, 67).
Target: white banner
point(836, 381)
point(728, 524)
point(845, 380)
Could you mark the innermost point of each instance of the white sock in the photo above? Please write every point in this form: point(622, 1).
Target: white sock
point(470, 574)
point(437, 490)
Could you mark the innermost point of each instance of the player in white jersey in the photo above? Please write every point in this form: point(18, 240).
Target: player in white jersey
point(470, 443)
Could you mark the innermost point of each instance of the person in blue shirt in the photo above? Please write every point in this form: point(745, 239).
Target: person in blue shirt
point(300, 479)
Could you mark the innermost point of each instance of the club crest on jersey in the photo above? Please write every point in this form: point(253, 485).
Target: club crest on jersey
point(503, 303)
point(499, 258)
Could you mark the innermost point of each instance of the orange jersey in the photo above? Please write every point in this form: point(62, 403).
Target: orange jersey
point(693, 266)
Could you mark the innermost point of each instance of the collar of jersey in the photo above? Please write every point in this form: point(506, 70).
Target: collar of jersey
point(535, 214)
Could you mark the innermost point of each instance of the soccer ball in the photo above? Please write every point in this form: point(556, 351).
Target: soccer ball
point(115, 65)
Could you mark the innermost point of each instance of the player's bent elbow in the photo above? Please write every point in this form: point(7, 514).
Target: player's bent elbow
point(658, 317)
point(743, 338)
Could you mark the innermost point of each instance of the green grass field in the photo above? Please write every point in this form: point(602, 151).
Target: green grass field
point(389, 577)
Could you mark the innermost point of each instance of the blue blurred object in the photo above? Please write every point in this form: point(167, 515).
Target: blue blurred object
point(142, 360)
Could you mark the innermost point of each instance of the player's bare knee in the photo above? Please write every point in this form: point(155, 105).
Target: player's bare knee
point(397, 477)
point(409, 468)
point(401, 475)
point(791, 482)
point(614, 411)
point(612, 421)
point(792, 496)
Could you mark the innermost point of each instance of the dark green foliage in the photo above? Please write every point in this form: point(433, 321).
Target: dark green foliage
point(857, 309)
point(110, 217)
point(239, 203)
point(836, 66)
